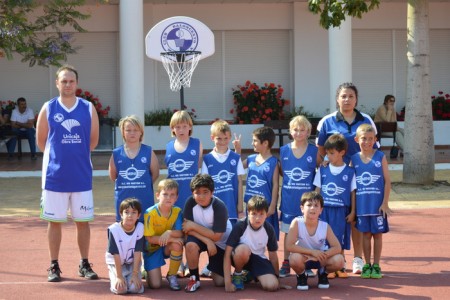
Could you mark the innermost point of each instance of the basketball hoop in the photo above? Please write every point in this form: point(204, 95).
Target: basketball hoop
point(180, 66)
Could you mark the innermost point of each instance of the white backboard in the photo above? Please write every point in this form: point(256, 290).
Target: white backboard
point(179, 34)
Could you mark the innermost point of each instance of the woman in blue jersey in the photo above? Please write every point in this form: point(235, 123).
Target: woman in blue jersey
point(133, 167)
point(345, 121)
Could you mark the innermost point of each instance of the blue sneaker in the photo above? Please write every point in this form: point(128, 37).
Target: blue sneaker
point(238, 281)
point(285, 269)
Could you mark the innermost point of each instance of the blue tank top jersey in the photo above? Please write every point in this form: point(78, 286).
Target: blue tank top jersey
point(134, 178)
point(182, 167)
point(67, 165)
point(225, 180)
point(298, 177)
point(336, 189)
point(369, 183)
point(259, 182)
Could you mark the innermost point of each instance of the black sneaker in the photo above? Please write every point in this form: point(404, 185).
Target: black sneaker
point(302, 282)
point(86, 271)
point(323, 281)
point(54, 273)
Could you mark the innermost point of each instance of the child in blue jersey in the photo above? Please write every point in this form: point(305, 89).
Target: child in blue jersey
point(246, 247)
point(298, 166)
point(312, 243)
point(263, 173)
point(125, 245)
point(183, 159)
point(226, 169)
point(164, 236)
point(183, 155)
point(133, 166)
point(336, 182)
point(373, 186)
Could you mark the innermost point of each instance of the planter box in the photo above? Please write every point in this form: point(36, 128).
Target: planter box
point(158, 137)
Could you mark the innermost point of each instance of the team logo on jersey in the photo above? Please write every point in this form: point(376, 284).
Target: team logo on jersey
point(179, 36)
point(367, 179)
point(309, 159)
point(58, 117)
point(131, 173)
point(380, 220)
point(223, 176)
point(297, 174)
point(332, 189)
point(254, 182)
point(233, 162)
point(378, 164)
point(193, 152)
point(143, 159)
point(180, 165)
point(69, 124)
point(266, 168)
point(345, 178)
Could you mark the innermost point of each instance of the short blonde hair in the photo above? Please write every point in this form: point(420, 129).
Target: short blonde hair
point(167, 184)
point(364, 128)
point(300, 121)
point(133, 120)
point(181, 116)
point(220, 126)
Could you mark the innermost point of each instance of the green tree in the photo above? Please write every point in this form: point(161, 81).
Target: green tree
point(39, 37)
point(419, 159)
point(333, 12)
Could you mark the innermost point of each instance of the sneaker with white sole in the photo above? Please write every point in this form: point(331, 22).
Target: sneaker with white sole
point(205, 272)
point(54, 273)
point(323, 281)
point(358, 265)
point(302, 282)
point(173, 282)
point(85, 270)
point(192, 285)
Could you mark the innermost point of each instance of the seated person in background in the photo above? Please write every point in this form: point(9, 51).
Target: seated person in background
point(387, 113)
point(22, 123)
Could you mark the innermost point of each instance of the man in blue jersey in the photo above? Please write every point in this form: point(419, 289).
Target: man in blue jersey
point(67, 132)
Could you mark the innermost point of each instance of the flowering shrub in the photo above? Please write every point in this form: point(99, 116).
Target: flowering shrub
point(441, 106)
point(254, 104)
point(102, 112)
point(7, 106)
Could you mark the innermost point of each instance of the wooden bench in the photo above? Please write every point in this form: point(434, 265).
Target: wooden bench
point(281, 128)
point(386, 129)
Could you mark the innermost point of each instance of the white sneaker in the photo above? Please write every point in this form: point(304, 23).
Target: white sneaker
point(205, 272)
point(358, 265)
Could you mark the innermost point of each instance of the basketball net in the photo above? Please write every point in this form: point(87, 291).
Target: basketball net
point(180, 66)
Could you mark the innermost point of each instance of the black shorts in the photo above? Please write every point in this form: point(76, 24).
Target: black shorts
point(258, 266)
point(215, 263)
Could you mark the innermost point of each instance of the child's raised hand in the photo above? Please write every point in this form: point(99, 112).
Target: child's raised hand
point(237, 143)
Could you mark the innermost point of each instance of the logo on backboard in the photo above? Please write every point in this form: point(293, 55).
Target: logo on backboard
point(179, 36)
